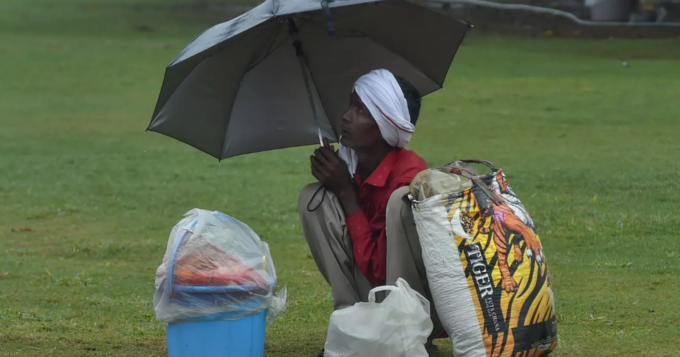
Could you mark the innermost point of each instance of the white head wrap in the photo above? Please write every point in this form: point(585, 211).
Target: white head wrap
point(382, 95)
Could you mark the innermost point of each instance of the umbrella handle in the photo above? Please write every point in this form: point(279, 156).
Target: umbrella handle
point(329, 19)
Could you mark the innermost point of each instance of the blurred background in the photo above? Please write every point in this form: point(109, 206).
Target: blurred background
point(576, 101)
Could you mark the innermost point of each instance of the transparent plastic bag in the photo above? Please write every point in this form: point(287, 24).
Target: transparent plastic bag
point(278, 305)
point(432, 182)
point(398, 326)
point(215, 268)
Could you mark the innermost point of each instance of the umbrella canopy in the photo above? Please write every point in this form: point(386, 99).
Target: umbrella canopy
point(239, 87)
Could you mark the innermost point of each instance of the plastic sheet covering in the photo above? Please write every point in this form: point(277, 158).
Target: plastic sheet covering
point(215, 268)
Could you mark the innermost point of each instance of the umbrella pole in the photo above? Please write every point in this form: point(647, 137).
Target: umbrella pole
point(304, 67)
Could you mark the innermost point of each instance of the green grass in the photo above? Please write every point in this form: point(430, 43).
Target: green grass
point(591, 146)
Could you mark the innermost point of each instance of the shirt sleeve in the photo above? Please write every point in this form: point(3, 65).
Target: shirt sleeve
point(368, 241)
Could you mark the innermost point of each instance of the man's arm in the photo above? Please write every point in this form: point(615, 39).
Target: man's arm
point(367, 237)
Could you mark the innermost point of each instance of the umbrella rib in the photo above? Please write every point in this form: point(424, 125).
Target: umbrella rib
point(224, 137)
point(309, 21)
point(267, 55)
point(456, 51)
point(231, 106)
point(360, 33)
point(407, 61)
point(318, 91)
point(271, 48)
point(318, 25)
point(337, 34)
point(185, 142)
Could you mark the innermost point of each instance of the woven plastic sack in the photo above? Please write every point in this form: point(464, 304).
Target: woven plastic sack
point(485, 265)
point(215, 268)
point(398, 326)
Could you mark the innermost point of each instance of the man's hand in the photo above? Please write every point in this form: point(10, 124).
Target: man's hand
point(331, 171)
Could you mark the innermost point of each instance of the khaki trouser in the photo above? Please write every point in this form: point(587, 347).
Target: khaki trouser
point(323, 223)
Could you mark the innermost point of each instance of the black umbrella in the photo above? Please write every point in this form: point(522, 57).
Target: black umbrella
point(280, 75)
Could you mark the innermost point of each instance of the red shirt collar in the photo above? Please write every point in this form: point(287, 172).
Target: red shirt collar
point(379, 176)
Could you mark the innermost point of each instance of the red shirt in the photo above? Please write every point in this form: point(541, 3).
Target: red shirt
point(367, 226)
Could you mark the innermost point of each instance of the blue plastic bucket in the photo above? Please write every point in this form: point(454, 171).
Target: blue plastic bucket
point(217, 335)
point(225, 338)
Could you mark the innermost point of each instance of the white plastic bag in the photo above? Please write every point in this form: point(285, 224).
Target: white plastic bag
point(397, 327)
point(215, 268)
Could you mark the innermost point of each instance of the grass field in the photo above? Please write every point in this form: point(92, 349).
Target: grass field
point(87, 199)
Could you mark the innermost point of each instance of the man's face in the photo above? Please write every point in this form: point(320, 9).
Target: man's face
point(359, 129)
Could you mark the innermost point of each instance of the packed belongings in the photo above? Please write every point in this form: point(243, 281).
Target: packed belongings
point(397, 326)
point(485, 264)
point(215, 268)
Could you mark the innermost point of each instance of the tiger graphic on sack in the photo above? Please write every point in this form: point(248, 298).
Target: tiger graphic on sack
point(485, 265)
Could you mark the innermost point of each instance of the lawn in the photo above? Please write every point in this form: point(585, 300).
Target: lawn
point(87, 199)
